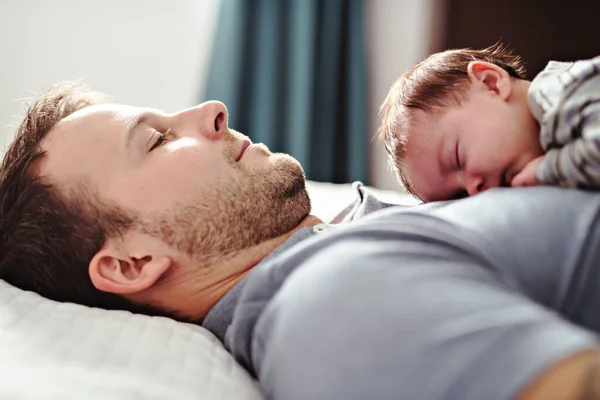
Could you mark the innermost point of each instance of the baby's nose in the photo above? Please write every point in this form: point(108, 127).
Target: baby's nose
point(476, 185)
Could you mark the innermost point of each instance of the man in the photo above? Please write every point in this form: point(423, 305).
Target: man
point(491, 297)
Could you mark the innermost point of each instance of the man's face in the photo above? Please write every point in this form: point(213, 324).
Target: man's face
point(194, 183)
point(463, 150)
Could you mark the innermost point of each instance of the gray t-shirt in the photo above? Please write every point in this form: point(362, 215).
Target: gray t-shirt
point(470, 299)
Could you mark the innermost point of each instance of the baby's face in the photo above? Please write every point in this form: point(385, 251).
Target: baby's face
point(462, 150)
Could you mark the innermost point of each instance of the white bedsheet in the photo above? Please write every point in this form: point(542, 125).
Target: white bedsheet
point(52, 350)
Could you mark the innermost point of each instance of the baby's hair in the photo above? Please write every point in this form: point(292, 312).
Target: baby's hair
point(434, 83)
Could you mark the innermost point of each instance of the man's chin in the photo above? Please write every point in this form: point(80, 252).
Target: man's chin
point(293, 187)
point(290, 174)
point(283, 160)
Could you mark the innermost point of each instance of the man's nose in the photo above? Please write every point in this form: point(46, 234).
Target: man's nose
point(209, 119)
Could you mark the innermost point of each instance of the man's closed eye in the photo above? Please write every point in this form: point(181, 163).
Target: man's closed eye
point(160, 139)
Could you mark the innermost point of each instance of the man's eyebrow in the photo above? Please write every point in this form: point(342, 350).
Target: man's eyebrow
point(135, 123)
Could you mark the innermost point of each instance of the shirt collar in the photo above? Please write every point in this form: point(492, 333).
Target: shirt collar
point(220, 316)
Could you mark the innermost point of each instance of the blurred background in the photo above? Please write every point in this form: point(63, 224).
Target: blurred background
point(304, 76)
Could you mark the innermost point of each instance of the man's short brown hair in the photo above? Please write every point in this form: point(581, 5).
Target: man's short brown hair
point(48, 235)
point(434, 83)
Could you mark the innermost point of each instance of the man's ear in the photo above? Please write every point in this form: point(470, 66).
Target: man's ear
point(130, 265)
point(491, 76)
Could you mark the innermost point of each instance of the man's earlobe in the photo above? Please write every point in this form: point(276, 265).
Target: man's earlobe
point(493, 77)
point(114, 270)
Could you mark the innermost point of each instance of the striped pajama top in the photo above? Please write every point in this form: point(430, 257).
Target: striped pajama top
point(565, 100)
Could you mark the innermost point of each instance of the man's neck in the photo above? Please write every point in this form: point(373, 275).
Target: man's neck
point(193, 293)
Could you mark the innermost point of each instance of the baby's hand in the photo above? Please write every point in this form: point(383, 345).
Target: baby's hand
point(527, 176)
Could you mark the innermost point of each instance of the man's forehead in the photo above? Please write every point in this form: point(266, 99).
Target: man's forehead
point(85, 138)
point(98, 119)
point(119, 112)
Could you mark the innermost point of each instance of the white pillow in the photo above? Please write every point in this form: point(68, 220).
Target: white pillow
point(52, 350)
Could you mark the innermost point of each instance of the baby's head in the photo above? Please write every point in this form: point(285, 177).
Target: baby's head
point(459, 123)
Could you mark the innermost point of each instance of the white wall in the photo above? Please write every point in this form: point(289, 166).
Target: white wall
point(401, 33)
point(141, 52)
point(155, 52)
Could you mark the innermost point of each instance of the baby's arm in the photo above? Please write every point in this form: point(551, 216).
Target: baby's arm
point(527, 176)
point(577, 164)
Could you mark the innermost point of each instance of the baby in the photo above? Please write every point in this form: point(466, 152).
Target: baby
point(463, 121)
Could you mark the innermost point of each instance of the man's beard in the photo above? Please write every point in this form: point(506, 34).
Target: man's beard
point(257, 205)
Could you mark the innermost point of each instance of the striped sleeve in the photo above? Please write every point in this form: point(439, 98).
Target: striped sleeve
point(568, 109)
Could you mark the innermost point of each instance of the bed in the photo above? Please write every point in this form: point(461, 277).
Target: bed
point(55, 350)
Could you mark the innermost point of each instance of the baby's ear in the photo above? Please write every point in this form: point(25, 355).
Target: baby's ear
point(490, 77)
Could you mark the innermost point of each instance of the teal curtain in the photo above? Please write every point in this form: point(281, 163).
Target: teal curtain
point(293, 74)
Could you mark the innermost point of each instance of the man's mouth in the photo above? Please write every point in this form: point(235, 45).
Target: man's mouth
point(245, 144)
